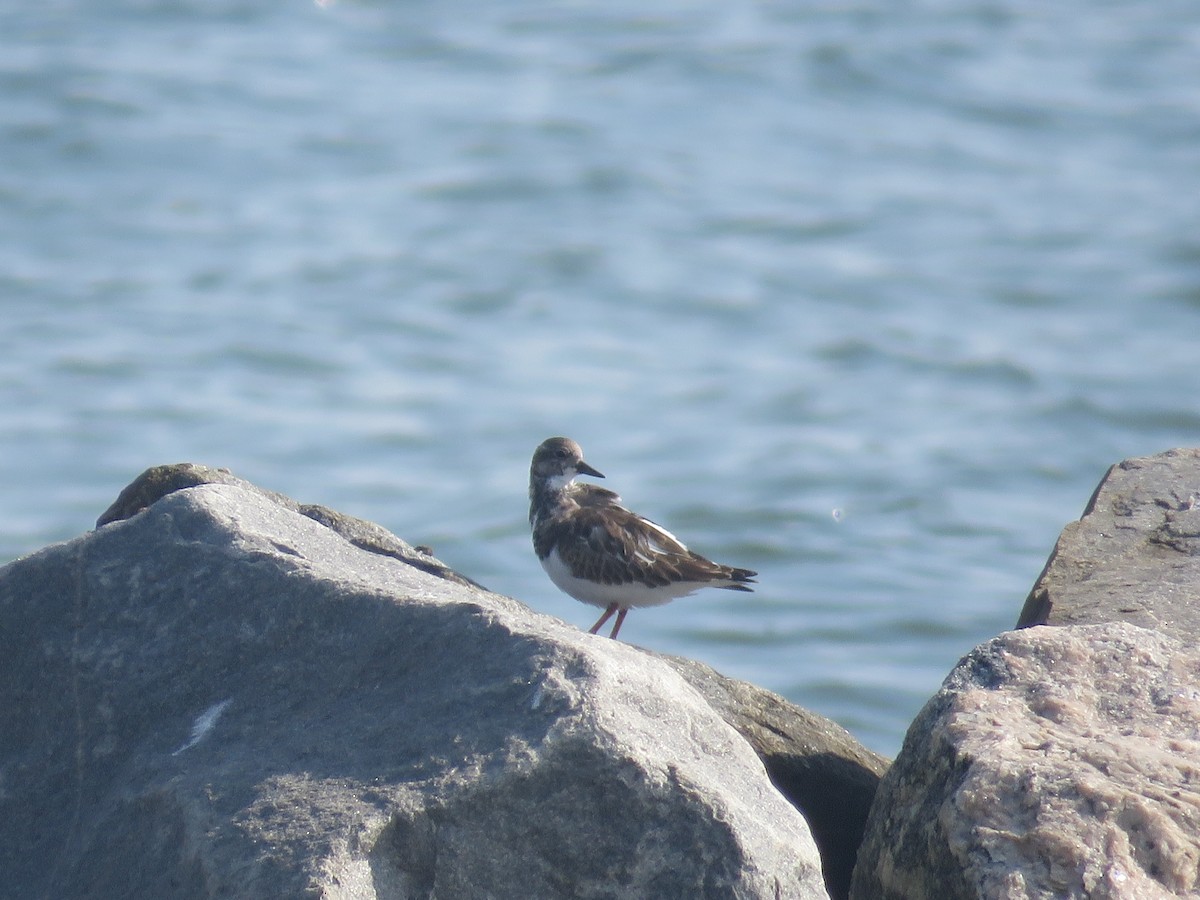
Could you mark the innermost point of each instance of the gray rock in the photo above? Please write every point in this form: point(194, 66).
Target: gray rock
point(1054, 762)
point(1133, 556)
point(221, 696)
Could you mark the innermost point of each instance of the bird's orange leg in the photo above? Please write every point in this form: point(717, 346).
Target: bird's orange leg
point(612, 608)
point(620, 618)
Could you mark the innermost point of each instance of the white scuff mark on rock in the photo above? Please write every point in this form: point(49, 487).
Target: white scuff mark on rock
point(203, 725)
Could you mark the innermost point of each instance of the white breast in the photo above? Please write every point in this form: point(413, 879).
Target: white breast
point(626, 595)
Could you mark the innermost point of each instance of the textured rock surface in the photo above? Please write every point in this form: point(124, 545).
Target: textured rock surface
point(1054, 762)
point(221, 696)
point(1134, 556)
point(814, 762)
point(158, 481)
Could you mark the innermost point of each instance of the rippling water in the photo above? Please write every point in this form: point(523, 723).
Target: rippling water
point(863, 296)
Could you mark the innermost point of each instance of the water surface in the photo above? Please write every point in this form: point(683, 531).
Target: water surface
point(866, 297)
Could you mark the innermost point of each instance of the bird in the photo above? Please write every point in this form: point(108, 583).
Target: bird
point(601, 553)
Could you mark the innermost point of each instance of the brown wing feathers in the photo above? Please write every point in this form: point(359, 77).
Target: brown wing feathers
point(616, 547)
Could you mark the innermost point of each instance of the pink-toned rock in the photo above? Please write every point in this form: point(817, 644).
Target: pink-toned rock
point(1054, 762)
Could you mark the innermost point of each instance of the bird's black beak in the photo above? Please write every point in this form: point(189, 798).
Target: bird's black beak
point(584, 469)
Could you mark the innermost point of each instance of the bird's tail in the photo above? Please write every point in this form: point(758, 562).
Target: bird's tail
point(739, 579)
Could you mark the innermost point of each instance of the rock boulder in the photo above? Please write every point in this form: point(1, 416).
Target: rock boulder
point(1064, 762)
point(220, 694)
point(1054, 762)
point(1134, 555)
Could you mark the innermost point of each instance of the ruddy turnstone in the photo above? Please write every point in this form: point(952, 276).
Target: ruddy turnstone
point(599, 552)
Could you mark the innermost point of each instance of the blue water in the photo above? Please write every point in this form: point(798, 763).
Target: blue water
point(864, 296)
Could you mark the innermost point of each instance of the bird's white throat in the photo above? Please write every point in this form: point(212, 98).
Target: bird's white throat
point(558, 482)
